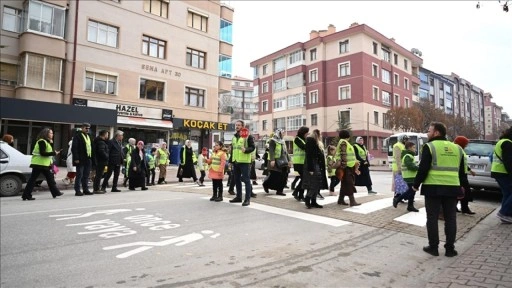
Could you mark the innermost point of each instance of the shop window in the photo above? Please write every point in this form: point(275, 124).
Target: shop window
point(194, 97)
point(151, 89)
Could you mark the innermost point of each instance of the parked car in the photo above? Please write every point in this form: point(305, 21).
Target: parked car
point(479, 160)
point(14, 170)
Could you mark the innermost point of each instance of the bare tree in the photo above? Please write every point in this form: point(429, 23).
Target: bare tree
point(228, 103)
point(405, 119)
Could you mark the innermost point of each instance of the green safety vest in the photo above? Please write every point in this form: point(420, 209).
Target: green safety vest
point(298, 154)
point(362, 152)
point(183, 159)
point(394, 166)
point(406, 173)
point(444, 169)
point(88, 147)
point(238, 156)
point(330, 172)
point(151, 161)
point(466, 169)
point(497, 165)
point(351, 154)
point(163, 156)
point(128, 158)
point(216, 161)
point(38, 159)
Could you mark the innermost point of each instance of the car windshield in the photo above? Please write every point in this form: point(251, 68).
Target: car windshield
point(479, 149)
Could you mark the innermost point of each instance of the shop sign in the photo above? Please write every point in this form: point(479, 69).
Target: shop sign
point(199, 124)
point(128, 110)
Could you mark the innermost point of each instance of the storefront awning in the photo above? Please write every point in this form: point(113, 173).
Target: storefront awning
point(29, 110)
point(144, 122)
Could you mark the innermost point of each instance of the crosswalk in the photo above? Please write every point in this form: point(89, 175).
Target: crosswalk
point(411, 218)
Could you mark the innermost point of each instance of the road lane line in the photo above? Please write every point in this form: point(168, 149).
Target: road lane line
point(371, 206)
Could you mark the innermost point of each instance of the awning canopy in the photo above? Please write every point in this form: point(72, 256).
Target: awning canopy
point(144, 122)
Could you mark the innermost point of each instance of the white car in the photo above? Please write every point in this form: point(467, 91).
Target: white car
point(14, 170)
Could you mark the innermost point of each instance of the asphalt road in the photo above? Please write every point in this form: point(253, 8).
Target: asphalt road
point(172, 236)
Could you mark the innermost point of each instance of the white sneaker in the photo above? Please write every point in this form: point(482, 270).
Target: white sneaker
point(66, 181)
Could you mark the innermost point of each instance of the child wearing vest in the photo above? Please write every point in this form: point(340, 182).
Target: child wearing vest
point(409, 170)
point(217, 164)
point(331, 172)
point(201, 163)
point(150, 159)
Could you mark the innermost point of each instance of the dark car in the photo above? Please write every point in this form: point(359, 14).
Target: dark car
point(479, 160)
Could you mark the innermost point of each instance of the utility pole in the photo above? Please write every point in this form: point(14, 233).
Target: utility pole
point(367, 129)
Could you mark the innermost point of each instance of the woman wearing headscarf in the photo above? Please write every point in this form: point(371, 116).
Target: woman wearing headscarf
point(314, 169)
point(188, 160)
point(364, 178)
point(42, 158)
point(138, 168)
point(278, 171)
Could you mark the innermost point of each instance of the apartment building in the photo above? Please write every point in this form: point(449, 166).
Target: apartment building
point(437, 89)
point(493, 118)
point(355, 75)
point(153, 68)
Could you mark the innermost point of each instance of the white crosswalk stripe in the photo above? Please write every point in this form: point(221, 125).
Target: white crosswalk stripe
point(414, 218)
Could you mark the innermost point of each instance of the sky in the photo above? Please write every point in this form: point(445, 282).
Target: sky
point(453, 36)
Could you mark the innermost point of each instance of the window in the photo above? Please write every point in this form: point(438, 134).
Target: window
point(395, 58)
point(151, 89)
point(344, 92)
point(225, 66)
point(344, 69)
point(295, 80)
point(264, 87)
point(312, 54)
point(279, 104)
point(397, 100)
point(195, 58)
point(313, 75)
point(375, 70)
point(314, 119)
point(11, 20)
point(295, 122)
point(279, 85)
point(265, 69)
point(279, 64)
point(406, 102)
point(375, 48)
point(386, 98)
point(386, 55)
point(102, 33)
point(313, 97)
point(8, 74)
point(344, 116)
point(406, 64)
point(375, 93)
point(343, 47)
point(226, 31)
point(296, 100)
point(279, 123)
point(41, 72)
point(395, 79)
point(264, 125)
point(194, 97)
point(296, 56)
point(385, 76)
point(157, 7)
point(376, 117)
point(264, 105)
point(385, 121)
point(375, 145)
point(406, 84)
point(100, 83)
point(197, 21)
point(153, 47)
point(45, 19)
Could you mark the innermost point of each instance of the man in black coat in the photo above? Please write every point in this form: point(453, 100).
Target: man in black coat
point(100, 159)
point(82, 154)
point(115, 160)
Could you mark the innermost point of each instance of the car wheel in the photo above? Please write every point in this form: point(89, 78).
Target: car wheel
point(11, 185)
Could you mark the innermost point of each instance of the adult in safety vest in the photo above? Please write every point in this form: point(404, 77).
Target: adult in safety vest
point(82, 154)
point(409, 170)
point(363, 179)
point(299, 155)
point(240, 158)
point(396, 166)
point(346, 155)
point(279, 163)
point(501, 171)
point(127, 150)
point(151, 159)
point(440, 170)
point(188, 160)
point(42, 158)
point(162, 161)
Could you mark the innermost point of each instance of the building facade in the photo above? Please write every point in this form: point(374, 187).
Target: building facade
point(160, 65)
point(355, 75)
point(437, 89)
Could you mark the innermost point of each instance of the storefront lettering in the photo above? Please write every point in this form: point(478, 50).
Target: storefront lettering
point(163, 71)
point(128, 110)
point(204, 124)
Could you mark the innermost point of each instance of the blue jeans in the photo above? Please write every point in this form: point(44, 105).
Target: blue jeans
point(241, 174)
point(505, 184)
point(83, 170)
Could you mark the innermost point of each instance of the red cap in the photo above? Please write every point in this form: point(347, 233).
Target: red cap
point(461, 141)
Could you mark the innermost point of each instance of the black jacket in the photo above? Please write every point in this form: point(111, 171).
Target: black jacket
point(100, 152)
point(424, 167)
point(115, 153)
point(314, 162)
point(79, 149)
point(138, 162)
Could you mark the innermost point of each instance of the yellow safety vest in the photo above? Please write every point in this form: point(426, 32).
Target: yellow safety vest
point(351, 154)
point(184, 160)
point(151, 161)
point(162, 154)
point(88, 147)
point(394, 166)
point(239, 156)
point(406, 173)
point(38, 159)
point(216, 159)
point(444, 169)
point(330, 172)
point(298, 154)
point(497, 165)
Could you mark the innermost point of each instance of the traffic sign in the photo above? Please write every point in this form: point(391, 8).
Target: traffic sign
point(244, 132)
